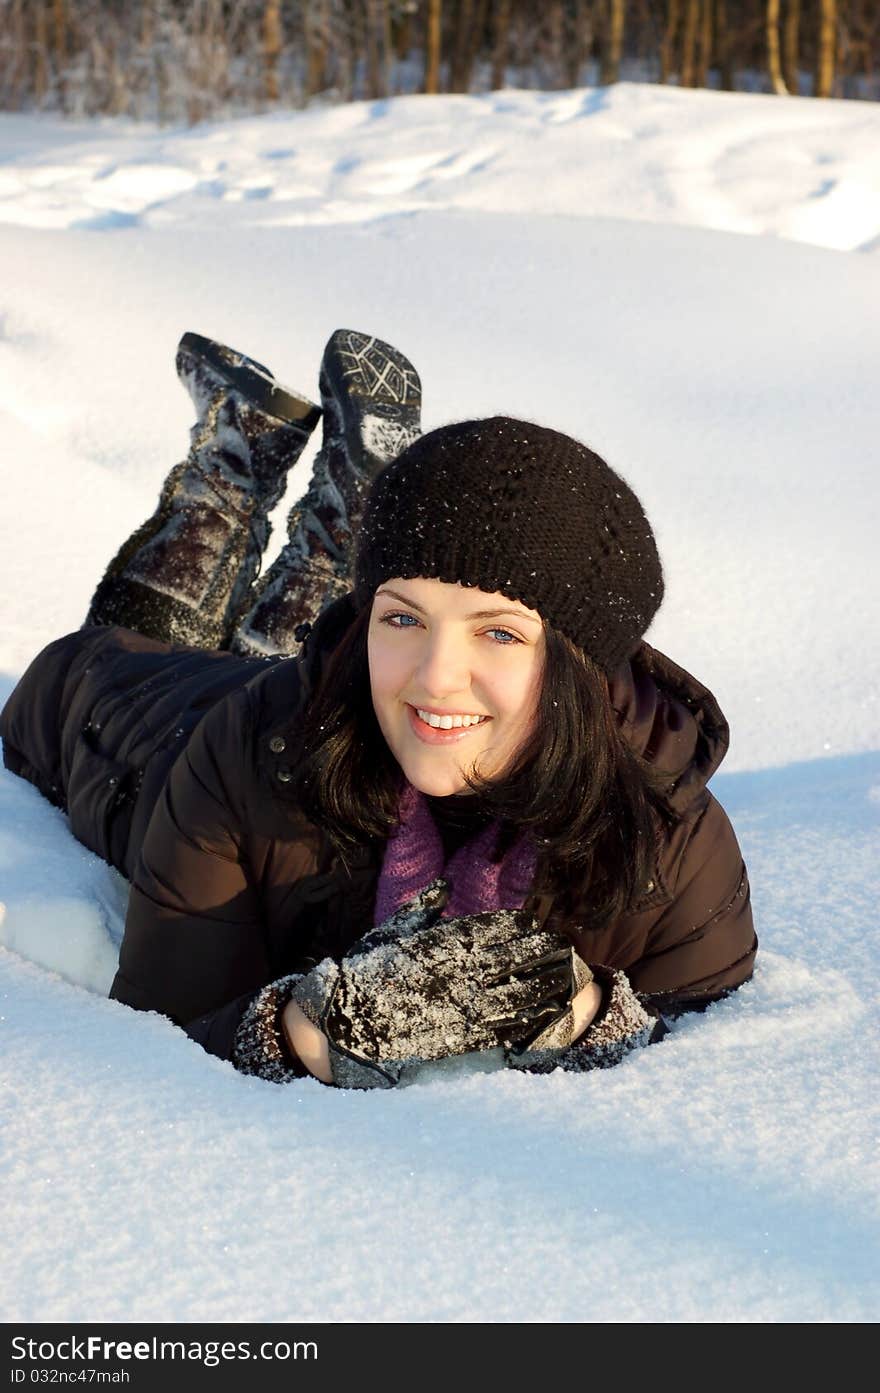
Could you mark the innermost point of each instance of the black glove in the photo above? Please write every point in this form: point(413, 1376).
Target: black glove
point(419, 988)
point(623, 1023)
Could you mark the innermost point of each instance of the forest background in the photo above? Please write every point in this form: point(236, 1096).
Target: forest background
point(187, 60)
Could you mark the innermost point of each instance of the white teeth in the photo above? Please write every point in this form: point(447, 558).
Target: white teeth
point(448, 722)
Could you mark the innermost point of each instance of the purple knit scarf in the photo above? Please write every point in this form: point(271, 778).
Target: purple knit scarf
point(414, 857)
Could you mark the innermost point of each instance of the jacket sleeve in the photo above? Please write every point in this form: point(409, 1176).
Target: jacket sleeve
point(194, 947)
point(703, 945)
point(249, 1032)
point(701, 948)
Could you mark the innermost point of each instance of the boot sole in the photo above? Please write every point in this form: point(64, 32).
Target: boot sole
point(363, 377)
point(254, 381)
point(366, 367)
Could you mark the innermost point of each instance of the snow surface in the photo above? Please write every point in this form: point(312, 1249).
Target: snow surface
point(575, 258)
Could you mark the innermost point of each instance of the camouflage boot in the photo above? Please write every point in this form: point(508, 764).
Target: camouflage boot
point(187, 571)
point(371, 397)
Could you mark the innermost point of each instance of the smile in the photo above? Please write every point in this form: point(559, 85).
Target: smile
point(433, 729)
point(448, 722)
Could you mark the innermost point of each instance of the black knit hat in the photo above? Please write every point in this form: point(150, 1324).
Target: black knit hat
point(508, 506)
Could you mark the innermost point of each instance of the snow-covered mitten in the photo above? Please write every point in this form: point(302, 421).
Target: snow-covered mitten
point(185, 573)
point(622, 1023)
point(371, 397)
point(260, 1046)
point(421, 988)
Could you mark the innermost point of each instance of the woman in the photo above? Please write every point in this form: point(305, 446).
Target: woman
point(471, 813)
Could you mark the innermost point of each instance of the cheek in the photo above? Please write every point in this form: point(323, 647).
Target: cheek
point(529, 694)
point(386, 676)
point(376, 672)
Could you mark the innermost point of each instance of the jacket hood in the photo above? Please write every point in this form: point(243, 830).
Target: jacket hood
point(665, 715)
point(671, 720)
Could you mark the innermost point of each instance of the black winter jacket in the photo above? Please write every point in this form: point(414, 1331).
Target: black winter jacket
point(170, 762)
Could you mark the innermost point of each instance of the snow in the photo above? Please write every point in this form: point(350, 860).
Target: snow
point(796, 169)
point(686, 280)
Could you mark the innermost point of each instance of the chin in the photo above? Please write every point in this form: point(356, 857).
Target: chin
point(437, 783)
point(440, 788)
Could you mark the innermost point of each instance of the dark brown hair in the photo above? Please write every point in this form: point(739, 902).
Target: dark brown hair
point(592, 804)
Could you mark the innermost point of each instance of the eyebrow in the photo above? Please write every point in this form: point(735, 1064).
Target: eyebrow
point(477, 613)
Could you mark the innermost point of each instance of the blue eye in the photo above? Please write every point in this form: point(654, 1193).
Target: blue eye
point(389, 619)
point(398, 620)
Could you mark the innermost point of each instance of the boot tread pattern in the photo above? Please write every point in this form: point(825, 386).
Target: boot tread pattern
point(376, 371)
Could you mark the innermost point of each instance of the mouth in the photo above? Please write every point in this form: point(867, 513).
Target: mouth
point(446, 732)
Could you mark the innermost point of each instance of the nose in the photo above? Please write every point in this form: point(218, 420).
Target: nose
point(443, 669)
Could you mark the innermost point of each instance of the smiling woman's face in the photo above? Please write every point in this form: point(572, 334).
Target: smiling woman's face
point(442, 653)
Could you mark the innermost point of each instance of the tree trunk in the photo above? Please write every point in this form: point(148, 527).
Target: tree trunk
point(146, 24)
point(578, 37)
point(704, 50)
point(667, 44)
point(432, 47)
point(273, 40)
point(551, 45)
point(378, 30)
point(865, 24)
point(612, 46)
point(119, 99)
point(315, 24)
point(41, 47)
point(478, 29)
point(344, 45)
point(724, 46)
point(689, 43)
point(774, 67)
point(59, 17)
point(790, 45)
point(403, 36)
point(501, 46)
point(372, 50)
point(16, 74)
point(458, 75)
point(386, 36)
point(825, 55)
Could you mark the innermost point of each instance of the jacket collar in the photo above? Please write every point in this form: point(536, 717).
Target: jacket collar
point(322, 638)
